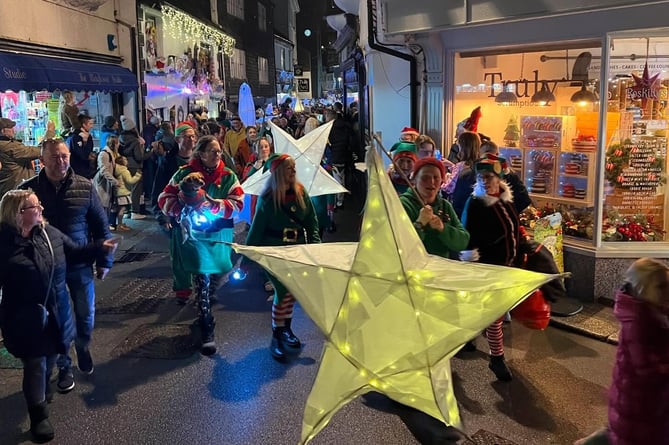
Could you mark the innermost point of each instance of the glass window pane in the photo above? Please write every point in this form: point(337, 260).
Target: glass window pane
point(548, 136)
point(636, 161)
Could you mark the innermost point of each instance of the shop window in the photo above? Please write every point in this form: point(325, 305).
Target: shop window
point(238, 64)
point(263, 71)
point(547, 132)
point(262, 17)
point(635, 180)
point(32, 110)
point(236, 8)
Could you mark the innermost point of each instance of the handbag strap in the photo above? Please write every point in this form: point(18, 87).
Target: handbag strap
point(53, 265)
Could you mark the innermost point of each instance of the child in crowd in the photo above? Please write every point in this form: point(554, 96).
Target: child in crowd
point(639, 393)
point(123, 192)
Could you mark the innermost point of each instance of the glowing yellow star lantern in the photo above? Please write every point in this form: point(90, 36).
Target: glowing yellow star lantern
point(307, 152)
point(392, 315)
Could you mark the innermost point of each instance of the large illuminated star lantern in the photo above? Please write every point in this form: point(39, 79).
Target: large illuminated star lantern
point(307, 152)
point(392, 314)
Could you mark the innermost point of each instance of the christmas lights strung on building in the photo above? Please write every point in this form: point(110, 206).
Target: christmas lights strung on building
point(182, 26)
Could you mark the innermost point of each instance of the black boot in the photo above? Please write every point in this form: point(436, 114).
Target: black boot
point(40, 427)
point(288, 338)
point(276, 346)
point(207, 322)
point(498, 366)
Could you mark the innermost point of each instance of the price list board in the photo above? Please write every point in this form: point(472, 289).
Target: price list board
point(640, 190)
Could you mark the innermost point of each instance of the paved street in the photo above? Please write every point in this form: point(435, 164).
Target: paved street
point(241, 396)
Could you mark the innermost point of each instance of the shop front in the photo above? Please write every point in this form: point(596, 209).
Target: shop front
point(31, 88)
point(578, 105)
point(182, 64)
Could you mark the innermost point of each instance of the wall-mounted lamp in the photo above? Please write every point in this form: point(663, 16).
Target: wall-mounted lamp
point(506, 96)
point(543, 96)
point(583, 96)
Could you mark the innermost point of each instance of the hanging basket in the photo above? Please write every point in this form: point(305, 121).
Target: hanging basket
point(534, 312)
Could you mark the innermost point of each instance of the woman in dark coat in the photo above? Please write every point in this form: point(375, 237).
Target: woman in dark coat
point(639, 393)
point(35, 307)
point(493, 225)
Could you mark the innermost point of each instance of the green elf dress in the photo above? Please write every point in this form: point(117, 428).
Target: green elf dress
point(202, 249)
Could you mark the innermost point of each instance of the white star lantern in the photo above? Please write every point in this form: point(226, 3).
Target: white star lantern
point(392, 314)
point(307, 152)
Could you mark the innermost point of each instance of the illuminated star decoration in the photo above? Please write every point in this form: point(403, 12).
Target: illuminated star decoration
point(307, 152)
point(645, 87)
point(392, 315)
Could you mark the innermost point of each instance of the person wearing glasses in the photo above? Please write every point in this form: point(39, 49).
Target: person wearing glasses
point(72, 205)
point(202, 196)
point(16, 158)
point(35, 307)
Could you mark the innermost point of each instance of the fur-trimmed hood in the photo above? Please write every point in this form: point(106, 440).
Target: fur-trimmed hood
point(506, 195)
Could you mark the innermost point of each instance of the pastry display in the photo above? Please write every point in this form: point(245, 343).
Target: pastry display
point(579, 193)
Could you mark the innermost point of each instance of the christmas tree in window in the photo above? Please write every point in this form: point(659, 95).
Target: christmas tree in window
point(512, 132)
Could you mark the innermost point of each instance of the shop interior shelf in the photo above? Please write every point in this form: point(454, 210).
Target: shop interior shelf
point(574, 176)
point(574, 201)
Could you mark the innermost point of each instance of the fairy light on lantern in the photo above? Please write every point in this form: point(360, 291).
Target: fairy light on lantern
point(182, 26)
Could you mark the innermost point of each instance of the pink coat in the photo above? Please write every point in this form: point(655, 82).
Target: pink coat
point(639, 394)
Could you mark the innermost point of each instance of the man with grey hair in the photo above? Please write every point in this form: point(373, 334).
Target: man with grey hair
point(16, 158)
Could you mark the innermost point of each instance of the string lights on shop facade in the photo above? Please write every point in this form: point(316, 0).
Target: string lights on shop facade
point(182, 26)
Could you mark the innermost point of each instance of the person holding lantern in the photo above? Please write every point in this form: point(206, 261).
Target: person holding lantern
point(201, 197)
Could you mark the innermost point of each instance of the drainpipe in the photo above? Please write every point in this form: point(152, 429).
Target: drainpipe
point(413, 63)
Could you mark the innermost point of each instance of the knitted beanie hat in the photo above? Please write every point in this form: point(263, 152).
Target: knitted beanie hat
point(183, 126)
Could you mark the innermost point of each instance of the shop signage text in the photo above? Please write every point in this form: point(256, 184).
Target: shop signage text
point(522, 86)
point(99, 78)
point(14, 73)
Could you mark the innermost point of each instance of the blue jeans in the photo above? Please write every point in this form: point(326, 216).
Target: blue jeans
point(36, 376)
point(80, 282)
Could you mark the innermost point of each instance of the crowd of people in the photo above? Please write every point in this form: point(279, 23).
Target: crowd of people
point(58, 226)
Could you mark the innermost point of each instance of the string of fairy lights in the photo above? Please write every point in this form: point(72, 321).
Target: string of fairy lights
point(184, 27)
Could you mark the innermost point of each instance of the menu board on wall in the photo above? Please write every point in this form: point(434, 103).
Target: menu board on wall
point(639, 184)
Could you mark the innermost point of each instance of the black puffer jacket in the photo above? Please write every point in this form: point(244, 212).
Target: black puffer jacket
point(75, 210)
point(25, 268)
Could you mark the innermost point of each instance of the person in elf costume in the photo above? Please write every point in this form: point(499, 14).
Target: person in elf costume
point(433, 217)
point(206, 209)
point(284, 216)
point(404, 158)
point(494, 235)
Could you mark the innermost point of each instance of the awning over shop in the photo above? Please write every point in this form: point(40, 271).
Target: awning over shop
point(35, 73)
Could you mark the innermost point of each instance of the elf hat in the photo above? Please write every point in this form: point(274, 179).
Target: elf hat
point(493, 157)
point(429, 161)
point(274, 161)
point(490, 165)
point(472, 122)
point(403, 146)
point(183, 126)
point(408, 131)
point(405, 150)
